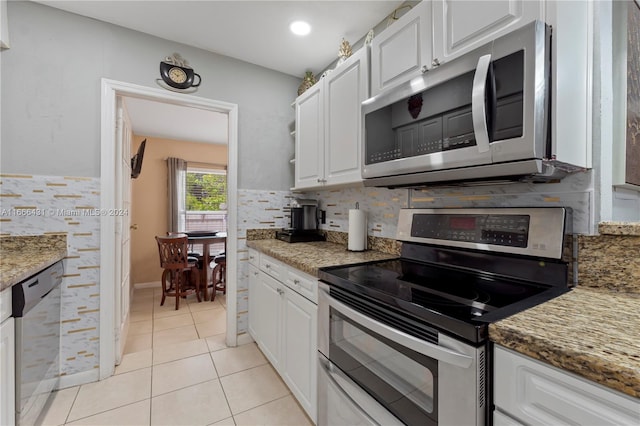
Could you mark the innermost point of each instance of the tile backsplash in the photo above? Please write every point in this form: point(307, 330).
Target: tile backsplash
point(382, 204)
point(37, 205)
point(256, 209)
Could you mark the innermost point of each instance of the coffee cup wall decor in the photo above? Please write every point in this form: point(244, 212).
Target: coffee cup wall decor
point(176, 72)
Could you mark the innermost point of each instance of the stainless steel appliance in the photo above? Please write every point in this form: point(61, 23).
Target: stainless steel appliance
point(304, 223)
point(36, 308)
point(406, 340)
point(482, 116)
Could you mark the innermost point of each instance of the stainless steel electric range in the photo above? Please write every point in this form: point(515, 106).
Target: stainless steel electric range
point(405, 341)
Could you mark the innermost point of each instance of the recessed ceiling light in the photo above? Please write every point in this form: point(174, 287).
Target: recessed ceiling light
point(300, 28)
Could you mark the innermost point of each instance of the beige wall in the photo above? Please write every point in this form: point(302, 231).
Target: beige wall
point(149, 198)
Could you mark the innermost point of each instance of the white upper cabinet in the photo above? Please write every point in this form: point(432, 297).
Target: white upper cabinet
point(460, 26)
point(345, 89)
point(571, 80)
point(402, 51)
point(434, 32)
point(309, 166)
point(329, 126)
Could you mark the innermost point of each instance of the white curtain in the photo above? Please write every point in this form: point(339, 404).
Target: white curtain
point(177, 197)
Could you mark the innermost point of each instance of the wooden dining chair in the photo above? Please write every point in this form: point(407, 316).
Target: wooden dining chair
point(178, 272)
point(219, 277)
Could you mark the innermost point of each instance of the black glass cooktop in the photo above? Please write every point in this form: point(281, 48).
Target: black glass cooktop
point(455, 300)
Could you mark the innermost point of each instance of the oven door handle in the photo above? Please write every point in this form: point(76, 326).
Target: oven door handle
point(365, 406)
point(437, 352)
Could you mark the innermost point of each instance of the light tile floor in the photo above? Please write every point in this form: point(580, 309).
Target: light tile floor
point(177, 370)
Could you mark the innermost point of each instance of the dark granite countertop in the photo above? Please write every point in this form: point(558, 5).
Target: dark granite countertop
point(308, 257)
point(23, 256)
point(619, 228)
point(592, 333)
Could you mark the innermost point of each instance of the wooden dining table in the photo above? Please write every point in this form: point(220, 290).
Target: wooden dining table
point(206, 239)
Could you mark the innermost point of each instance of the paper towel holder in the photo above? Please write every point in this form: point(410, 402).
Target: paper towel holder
point(357, 236)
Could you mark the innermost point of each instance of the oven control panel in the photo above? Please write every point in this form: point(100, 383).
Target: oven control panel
point(534, 231)
point(504, 230)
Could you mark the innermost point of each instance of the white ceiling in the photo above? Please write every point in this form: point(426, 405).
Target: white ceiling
point(167, 121)
point(252, 31)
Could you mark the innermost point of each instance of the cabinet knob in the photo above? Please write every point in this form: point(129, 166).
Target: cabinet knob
point(267, 266)
point(296, 282)
point(255, 273)
point(280, 291)
point(435, 62)
point(424, 69)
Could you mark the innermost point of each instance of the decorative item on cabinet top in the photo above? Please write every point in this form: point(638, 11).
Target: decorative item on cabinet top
point(369, 38)
point(394, 15)
point(177, 74)
point(308, 81)
point(344, 52)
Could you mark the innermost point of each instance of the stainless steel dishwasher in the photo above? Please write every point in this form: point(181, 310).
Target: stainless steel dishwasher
point(36, 308)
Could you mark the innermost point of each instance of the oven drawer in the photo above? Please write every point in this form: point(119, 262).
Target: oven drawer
point(272, 267)
point(254, 258)
point(302, 283)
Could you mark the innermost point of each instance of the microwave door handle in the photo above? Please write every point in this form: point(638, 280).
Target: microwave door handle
point(478, 111)
point(437, 352)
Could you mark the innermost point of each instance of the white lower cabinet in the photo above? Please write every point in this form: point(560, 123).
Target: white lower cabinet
point(300, 349)
point(254, 305)
point(7, 361)
point(271, 319)
point(283, 317)
point(530, 392)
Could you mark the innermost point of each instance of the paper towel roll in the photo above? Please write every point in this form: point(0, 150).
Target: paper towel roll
point(357, 230)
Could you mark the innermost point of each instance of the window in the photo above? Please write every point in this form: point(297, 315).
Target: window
point(206, 189)
point(206, 200)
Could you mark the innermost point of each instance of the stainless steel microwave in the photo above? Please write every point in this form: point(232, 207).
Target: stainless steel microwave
point(482, 116)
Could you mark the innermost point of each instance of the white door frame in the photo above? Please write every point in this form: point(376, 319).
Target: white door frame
point(110, 90)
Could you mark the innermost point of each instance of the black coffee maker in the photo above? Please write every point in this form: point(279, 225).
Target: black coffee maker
point(304, 223)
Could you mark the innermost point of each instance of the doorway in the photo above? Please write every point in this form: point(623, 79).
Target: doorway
point(111, 91)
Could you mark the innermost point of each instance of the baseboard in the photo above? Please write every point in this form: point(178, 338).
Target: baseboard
point(243, 339)
point(82, 378)
point(153, 284)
